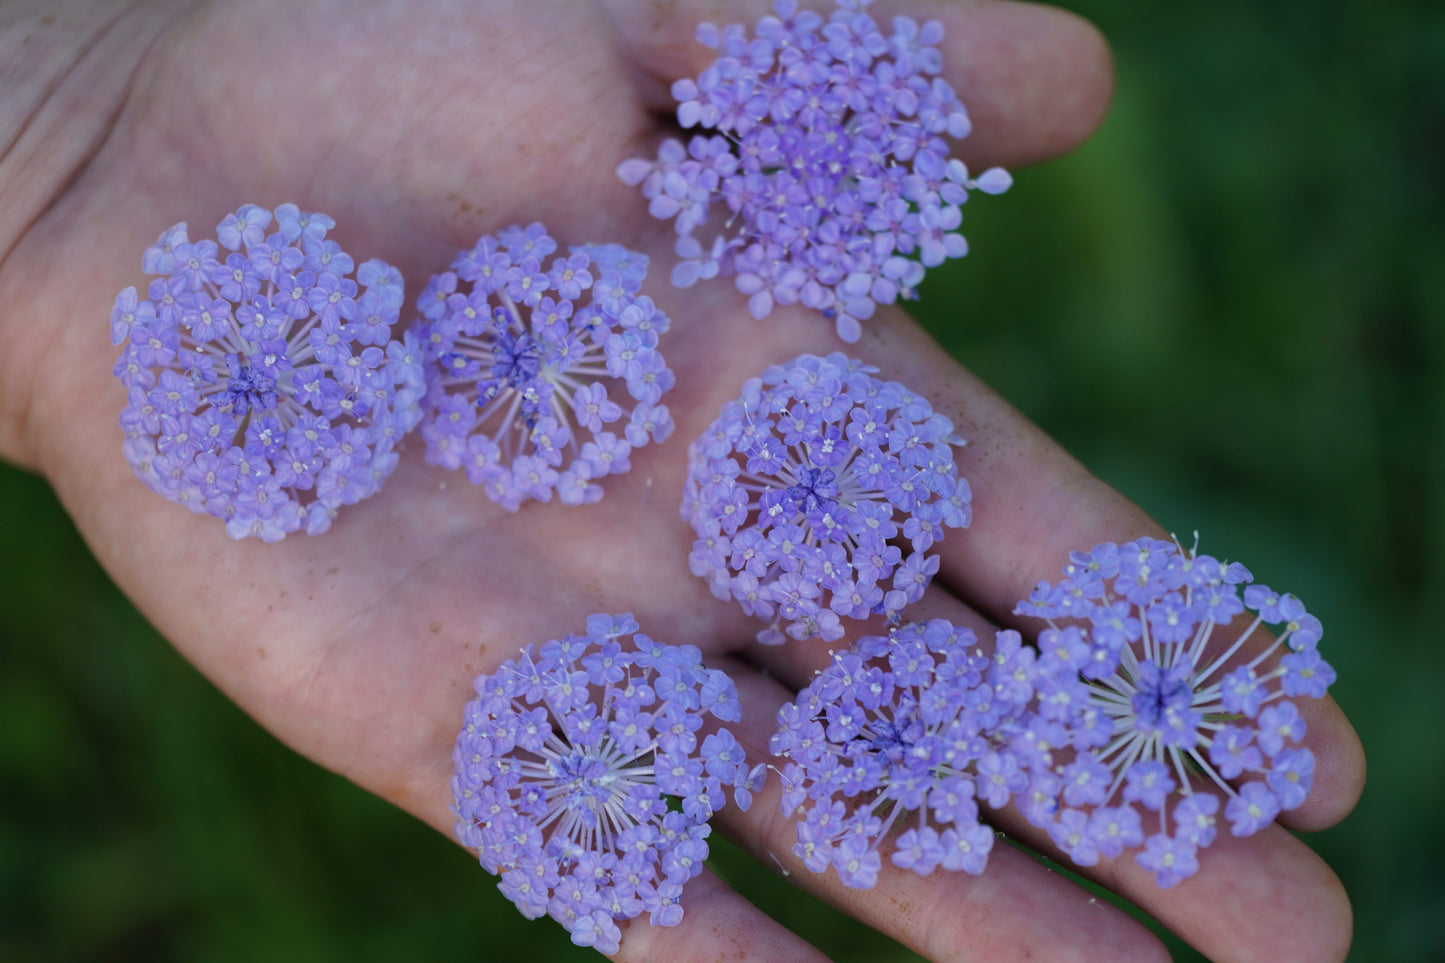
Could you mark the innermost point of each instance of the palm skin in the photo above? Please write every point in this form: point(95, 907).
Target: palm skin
point(419, 127)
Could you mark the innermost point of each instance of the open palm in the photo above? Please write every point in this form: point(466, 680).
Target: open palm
point(418, 127)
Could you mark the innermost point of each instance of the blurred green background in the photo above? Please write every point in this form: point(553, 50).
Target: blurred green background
point(1229, 305)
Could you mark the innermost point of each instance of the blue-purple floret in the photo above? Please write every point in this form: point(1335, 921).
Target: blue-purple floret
point(1157, 670)
point(584, 781)
point(546, 373)
point(910, 732)
point(817, 495)
point(265, 385)
point(828, 157)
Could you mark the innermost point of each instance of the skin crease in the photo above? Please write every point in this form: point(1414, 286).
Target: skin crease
point(418, 128)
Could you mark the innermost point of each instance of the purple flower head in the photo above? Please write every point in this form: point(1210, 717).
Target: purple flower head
point(261, 391)
point(1173, 722)
point(546, 372)
point(817, 495)
point(581, 780)
point(827, 150)
point(910, 730)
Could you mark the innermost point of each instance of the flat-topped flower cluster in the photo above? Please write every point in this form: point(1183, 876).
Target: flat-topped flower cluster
point(901, 731)
point(264, 384)
point(564, 769)
point(546, 369)
point(1168, 705)
point(807, 491)
point(829, 162)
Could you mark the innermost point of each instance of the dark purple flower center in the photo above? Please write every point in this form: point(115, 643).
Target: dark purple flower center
point(1161, 697)
point(892, 738)
point(815, 489)
point(582, 780)
point(517, 358)
point(249, 388)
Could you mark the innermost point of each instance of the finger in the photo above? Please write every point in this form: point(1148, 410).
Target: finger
point(1033, 503)
point(1265, 894)
point(717, 924)
point(1016, 910)
point(1036, 80)
point(1262, 897)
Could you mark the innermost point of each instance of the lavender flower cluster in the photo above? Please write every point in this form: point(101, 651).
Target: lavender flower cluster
point(564, 767)
point(800, 489)
point(909, 729)
point(1140, 673)
point(1131, 710)
point(829, 157)
point(533, 360)
point(264, 384)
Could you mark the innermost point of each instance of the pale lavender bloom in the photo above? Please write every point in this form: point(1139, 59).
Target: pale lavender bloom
point(828, 153)
point(546, 373)
point(907, 730)
point(1173, 719)
point(1251, 809)
point(566, 765)
point(245, 229)
point(800, 487)
point(1171, 859)
point(252, 396)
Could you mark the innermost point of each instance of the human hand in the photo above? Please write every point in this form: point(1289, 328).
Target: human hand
point(419, 129)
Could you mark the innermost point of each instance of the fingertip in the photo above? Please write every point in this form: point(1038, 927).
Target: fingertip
point(1312, 919)
point(1340, 768)
point(1088, 82)
point(1278, 900)
point(1337, 933)
point(1037, 80)
point(1310, 916)
point(1349, 768)
point(1261, 897)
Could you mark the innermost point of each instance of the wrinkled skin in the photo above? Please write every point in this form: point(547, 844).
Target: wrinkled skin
point(419, 126)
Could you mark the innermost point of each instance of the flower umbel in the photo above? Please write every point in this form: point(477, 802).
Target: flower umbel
point(817, 495)
point(264, 384)
point(547, 372)
point(830, 159)
point(565, 766)
point(1145, 668)
point(905, 730)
